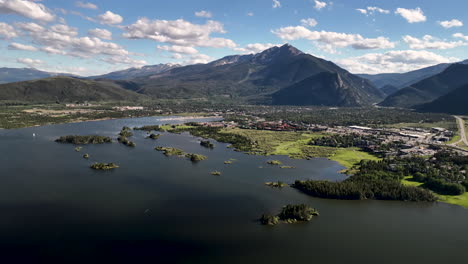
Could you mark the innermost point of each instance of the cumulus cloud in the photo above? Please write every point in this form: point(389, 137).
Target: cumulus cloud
point(179, 32)
point(33, 63)
point(179, 49)
point(100, 33)
point(411, 15)
point(63, 40)
point(7, 31)
point(319, 5)
point(393, 61)
point(309, 22)
point(430, 42)
point(250, 14)
point(198, 58)
point(460, 35)
point(451, 23)
point(333, 39)
point(86, 5)
point(370, 10)
point(109, 18)
point(27, 9)
point(19, 46)
point(276, 4)
point(203, 13)
point(256, 47)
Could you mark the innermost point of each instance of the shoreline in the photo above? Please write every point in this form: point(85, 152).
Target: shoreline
point(75, 121)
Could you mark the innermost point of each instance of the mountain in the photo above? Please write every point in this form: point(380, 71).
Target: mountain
point(327, 89)
point(402, 80)
point(430, 88)
point(254, 77)
point(389, 89)
point(65, 89)
point(8, 75)
point(451, 103)
point(132, 73)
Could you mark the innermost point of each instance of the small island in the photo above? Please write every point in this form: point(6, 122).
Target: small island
point(83, 140)
point(274, 162)
point(124, 140)
point(153, 136)
point(206, 144)
point(78, 149)
point(86, 156)
point(126, 132)
point(195, 157)
point(278, 184)
point(287, 167)
point(169, 151)
point(104, 166)
point(228, 162)
point(216, 173)
point(290, 214)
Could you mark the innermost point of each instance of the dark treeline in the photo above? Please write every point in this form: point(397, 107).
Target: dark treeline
point(82, 140)
point(444, 173)
point(346, 141)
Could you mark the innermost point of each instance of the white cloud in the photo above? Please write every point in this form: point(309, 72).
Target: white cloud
point(334, 39)
point(309, 22)
point(460, 35)
point(203, 13)
point(30, 62)
point(27, 9)
point(451, 23)
point(411, 15)
point(110, 18)
point(198, 58)
point(370, 10)
point(429, 42)
point(63, 40)
point(100, 33)
point(250, 14)
point(65, 30)
point(179, 49)
point(7, 31)
point(256, 47)
point(276, 4)
point(86, 5)
point(19, 46)
point(319, 5)
point(177, 56)
point(179, 32)
point(51, 50)
point(393, 61)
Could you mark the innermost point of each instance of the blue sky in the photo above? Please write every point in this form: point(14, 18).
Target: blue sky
point(98, 36)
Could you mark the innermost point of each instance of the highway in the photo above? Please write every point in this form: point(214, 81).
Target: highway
point(461, 128)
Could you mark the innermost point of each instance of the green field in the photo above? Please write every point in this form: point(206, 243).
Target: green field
point(295, 145)
point(461, 200)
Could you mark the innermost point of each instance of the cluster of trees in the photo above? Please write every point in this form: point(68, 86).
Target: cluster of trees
point(206, 144)
point(149, 128)
point(352, 189)
point(195, 157)
point(350, 116)
point(126, 132)
point(444, 173)
point(104, 166)
point(82, 140)
point(239, 142)
point(346, 141)
point(290, 213)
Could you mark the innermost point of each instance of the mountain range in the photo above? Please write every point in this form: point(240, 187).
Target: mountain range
point(65, 89)
point(279, 75)
point(430, 88)
point(9, 75)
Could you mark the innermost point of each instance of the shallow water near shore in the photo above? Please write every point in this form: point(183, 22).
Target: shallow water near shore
point(170, 210)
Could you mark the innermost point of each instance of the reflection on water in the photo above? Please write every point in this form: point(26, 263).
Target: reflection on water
point(165, 208)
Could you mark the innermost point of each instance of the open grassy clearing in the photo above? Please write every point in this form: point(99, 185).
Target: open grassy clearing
point(295, 145)
point(461, 200)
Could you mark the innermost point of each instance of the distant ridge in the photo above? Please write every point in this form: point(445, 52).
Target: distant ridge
point(454, 103)
point(8, 75)
point(430, 88)
point(65, 89)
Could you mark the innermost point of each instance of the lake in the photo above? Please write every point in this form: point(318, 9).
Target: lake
point(162, 209)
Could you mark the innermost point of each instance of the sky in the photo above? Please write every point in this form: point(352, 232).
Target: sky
point(100, 36)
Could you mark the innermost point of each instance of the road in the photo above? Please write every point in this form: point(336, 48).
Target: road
point(461, 128)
